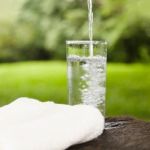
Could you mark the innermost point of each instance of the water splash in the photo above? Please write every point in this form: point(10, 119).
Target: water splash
point(87, 80)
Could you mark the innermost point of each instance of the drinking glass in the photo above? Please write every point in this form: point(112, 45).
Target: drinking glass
point(86, 61)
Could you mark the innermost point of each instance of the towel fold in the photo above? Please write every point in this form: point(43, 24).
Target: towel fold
point(27, 124)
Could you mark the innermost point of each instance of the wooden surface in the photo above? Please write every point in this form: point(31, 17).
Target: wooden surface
point(120, 134)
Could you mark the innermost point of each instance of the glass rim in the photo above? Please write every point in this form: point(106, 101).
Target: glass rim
point(78, 42)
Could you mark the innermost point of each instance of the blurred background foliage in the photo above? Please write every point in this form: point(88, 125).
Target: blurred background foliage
point(38, 29)
point(41, 28)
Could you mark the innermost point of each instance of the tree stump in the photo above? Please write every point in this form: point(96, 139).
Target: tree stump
point(120, 134)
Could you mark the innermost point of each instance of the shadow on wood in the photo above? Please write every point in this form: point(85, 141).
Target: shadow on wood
point(120, 134)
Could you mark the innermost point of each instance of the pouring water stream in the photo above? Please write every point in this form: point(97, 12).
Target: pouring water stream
point(87, 74)
point(90, 18)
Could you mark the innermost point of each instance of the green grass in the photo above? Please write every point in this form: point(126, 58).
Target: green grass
point(43, 80)
point(128, 86)
point(128, 90)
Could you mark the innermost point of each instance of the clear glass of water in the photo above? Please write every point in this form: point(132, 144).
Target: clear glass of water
point(87, 73)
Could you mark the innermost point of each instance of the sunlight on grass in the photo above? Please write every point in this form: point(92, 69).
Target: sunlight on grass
point(43, 80)
point(127, 85)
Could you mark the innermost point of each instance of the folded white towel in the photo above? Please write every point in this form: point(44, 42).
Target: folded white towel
point(27, 124)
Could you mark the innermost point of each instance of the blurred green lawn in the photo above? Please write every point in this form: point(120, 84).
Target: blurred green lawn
point(128, 86)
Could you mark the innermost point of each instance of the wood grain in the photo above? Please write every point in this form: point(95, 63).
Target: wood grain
point(121, 133)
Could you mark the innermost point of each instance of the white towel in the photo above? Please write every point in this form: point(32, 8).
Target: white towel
point(27, 124)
